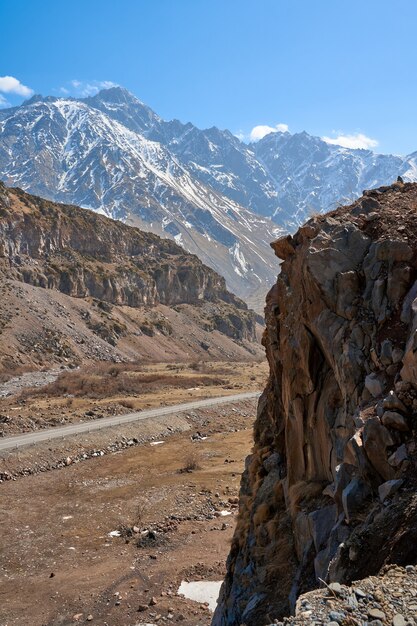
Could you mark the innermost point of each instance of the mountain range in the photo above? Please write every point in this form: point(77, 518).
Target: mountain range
point(217, 196)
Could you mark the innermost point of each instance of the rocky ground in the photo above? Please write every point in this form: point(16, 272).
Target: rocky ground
point(388, 599)
point(172, 504)
point(46, 329)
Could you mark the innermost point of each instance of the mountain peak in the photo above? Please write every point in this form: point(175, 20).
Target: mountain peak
point(123, 106)
point(116, 94)
point(37, 97)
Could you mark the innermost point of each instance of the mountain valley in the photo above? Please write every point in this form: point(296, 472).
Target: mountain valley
point(217, 196)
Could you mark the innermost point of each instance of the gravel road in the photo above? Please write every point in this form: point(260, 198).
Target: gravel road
point(17, 441)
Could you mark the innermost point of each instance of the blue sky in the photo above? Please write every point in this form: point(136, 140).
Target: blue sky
point(341, 69)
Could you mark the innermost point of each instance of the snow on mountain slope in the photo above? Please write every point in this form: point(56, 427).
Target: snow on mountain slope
point(217, 196)
point(70, 151)
point(311, 175)
point(284, 176)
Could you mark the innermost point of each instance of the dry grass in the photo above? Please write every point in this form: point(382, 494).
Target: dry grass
point(192, 462)
point(104, 381)
point(301, 494)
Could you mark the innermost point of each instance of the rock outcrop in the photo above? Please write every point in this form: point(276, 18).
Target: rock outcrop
point(84, 254)
point(329, 493)
point(56, 248)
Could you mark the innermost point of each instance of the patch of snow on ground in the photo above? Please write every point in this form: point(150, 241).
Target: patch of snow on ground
point(241, 267)
point(202, 591)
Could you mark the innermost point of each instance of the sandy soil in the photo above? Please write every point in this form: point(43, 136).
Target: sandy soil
point(59, 565)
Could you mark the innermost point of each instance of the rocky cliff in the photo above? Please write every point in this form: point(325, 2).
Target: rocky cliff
point(84, 254)
point(56, 248)
point(329, 493)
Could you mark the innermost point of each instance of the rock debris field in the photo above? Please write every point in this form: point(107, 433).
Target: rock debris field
point(388, 599)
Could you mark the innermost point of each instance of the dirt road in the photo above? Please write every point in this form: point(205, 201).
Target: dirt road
point(10, 443)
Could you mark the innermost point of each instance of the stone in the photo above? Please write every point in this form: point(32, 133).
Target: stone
point(321, 522)
point(336, 588)
point(376, 614)
point(272, 462)
point(283, 247)
point(398, 456)
point(397, 355)
point(399, 620)
point(392, 403)
point(376, 440)
point(409, 369)
point(354, 497)
point(387, 489)
point(302, 534)
point(360, 593)
point(332, 365)
point(379, 300)
point(375, 384)
point(398, 284)
point(395, 420)
point(393, 250)
point(392, 370)
point(386, 352)
point(347, 292)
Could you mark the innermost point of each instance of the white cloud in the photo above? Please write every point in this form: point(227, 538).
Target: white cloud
point(258, 132)
point(356, 141)
point(87, 88)
point(3, 102)
point(9, 84)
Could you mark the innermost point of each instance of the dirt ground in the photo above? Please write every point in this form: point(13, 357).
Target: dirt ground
point(102, 390)
point(60, 566)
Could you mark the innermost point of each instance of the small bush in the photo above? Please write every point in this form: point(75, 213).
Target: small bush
point(192, 462)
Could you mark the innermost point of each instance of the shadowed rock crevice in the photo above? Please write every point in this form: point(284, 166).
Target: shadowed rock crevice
point(329, 491)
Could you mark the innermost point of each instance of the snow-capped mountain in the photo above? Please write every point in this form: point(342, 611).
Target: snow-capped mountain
point(217, 196)
point(314, 176)
point(71, 151)
point(284, 176)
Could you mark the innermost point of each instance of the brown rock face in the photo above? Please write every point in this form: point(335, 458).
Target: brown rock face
point(341, 341)
point(83, 254)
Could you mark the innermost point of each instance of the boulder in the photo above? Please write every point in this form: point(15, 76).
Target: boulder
point(283, 247)
point(354, 497)
point(399, 456)
point(387, 489)
point(376, 440)
point(321, 523)
point(392, 403)
point(375, 384)
point(391, 419)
